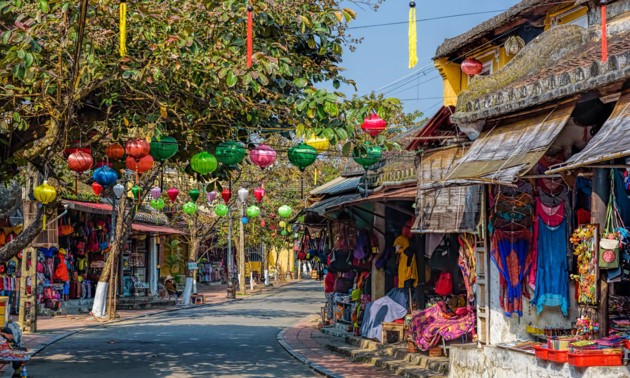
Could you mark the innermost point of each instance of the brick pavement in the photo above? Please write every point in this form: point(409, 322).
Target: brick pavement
point(307, 343)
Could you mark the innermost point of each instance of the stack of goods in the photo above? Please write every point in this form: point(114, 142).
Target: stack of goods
point(511, 222)
point(619, 314)
point(429, 326)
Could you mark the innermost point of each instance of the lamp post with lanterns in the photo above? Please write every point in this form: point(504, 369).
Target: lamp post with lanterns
point(242, 196)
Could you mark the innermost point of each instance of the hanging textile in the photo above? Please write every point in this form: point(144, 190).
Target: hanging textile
point(510, 253)
point(467, 264)
point(407, 267)
point(552, 273)
point(621, 196)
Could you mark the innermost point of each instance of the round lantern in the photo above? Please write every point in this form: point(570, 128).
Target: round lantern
point(157, 204)
point(97, 188)
point(253, 211)
point(321, 144)
point(302, 155)
point(211, 196)
point(172, 194)
point(70, 150)
point(221, 210)
point(105, 176)
point(45, 194)
point(283, 232)
point(194, 194)
point(282, 224)
point(80, 161)
point(137, 148)
point(114, 151)
point(118, 190)
point(243, 194)
point(472, 67)
point(163, 148)
point(373, 125)
point(263, 156)
point(226, 194)
point(259, 193)
point(368, 156)
point(244, 220)
point(285, 211)
point(203, 163)
point(141, 165)
point(230, 153)
point(189, 208)
point(137, 191)
point(156, 193)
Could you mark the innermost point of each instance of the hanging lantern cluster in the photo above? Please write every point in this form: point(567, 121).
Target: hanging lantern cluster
point(203, 163)
point(45, 194)
point(302, 155)
point(472, 67)
point(373, 125)
point(367, 156)
point(263, 156)
point(320, 144)
point(230, 153)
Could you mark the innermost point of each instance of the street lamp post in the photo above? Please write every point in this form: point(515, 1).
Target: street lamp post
point(242, 195)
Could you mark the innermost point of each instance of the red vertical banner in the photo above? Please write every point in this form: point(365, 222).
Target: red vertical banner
point(604, 32)
point(250, 35)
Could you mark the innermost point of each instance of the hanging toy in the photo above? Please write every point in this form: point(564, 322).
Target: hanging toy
point(250, 35)
point(123, 28)
point(413, 36)
point(602, 8)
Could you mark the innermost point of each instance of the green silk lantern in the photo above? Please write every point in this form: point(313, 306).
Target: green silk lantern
point(221, 210)
point(189, 208)
point(253, 211)
point(283, 233)
point(163, 148)
point(137, 192)
point(203, 163)
point(194, 194)
point(302, 155)
point(367, 156)
point(285, 211)
point(230, 152)
point(157, 204)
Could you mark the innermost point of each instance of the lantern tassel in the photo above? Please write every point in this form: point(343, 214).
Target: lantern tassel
point(604, 32)
point(123, 28)
point(44, 220)
point(413, 36)
point(250, 35)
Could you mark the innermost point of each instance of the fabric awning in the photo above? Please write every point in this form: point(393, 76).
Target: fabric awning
point(509, 149)
point(611, 142)
point(450, 209)
point(153, 229)
point(89, 207)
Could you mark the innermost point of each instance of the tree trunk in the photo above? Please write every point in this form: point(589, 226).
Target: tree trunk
point(195, 242)
point(24, 239)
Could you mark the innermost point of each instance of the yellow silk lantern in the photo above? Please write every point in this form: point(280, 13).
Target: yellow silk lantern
point(321, 144)
point(45, 194)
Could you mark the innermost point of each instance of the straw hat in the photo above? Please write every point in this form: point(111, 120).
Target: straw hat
point(169, 277)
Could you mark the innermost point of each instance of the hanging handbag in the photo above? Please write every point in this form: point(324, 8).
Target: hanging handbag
point(66, 228)
point(340, 261)
point(610, 242)
point(444, 285)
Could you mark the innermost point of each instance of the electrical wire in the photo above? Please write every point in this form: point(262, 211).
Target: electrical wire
point(426, 19)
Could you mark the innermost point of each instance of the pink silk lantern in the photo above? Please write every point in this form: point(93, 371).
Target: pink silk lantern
point(259, 193)
point(156, 193)
point(263, 156)
point(211, 196)
point(172, 194)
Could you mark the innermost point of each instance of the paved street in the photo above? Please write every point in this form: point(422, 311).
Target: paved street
point(234, 339)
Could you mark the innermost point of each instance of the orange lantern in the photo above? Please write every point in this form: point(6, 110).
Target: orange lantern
point(114, 151)
point(137, 148)
point(80, 161)
point(140, 166)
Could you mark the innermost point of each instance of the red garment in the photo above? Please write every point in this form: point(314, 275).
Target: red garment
point(551, 216)
point(329, 283)
point(583, 216)
point(61, 271)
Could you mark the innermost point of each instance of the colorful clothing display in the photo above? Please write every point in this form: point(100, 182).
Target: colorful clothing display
point(407, 267)
point(429, 325)
point(510, 253)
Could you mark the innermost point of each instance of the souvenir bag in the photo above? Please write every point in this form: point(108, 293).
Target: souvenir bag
point(610, 242)
point(444, 285)
point(340, 261)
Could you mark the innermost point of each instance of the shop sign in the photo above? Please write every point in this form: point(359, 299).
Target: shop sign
point(192, 265)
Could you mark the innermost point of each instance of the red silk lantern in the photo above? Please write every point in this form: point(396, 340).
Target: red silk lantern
point(172, 194)
point(373, 125)
point(137, 148)
point(259, 193)
point(103, 163)
point(114, 151)
point(226, 194)
point(80, 161)
point(97, 188)
point(263, 156)
point(140, 166)
point(472, 67)
point(71, 150)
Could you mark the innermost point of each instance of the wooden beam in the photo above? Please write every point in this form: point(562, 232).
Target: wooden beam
point(399, 209)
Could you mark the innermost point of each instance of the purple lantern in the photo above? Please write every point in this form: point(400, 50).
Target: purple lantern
point(210, 196)
point(156, 193)
point(263, 156)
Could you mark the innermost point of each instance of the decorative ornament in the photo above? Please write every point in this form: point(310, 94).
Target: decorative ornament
point(373, 125)
point(321, 144)
point(243, 194)
point(156, 193)
point(413, 36)
point(118, 190)
point(189, 208)
point(221, 210)
point(137, 192)
point(123, 28)
point(263, 156)
point(285, 211)
point(282, 224)
point(472, 67)
point(226, 194)
point(203, 163)
point(80, 161)
point(250, 35)
point(172, 194)
point(157, 204)
point(97, 188)
point(603, 12)
point(163, 148)
point(230, 153)
point(105, 176)
point(45, 194)
point(263, 223)
point(253, 211)
point(283, 232)
point(368, 156)
point(259, 193)
point(513, 45)
point(114, 151)
point(137, 148)
point(211, 196)
point(244, 220)
point(302, 155)
point(194, 194)
point(141, 165)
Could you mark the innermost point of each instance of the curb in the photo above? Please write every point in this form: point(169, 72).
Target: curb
point(298, 356)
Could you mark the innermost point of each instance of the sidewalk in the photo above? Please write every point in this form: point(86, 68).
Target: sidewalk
point(307, 343)
point(55, 328)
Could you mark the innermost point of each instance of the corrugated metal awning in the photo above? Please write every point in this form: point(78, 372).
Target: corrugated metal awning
point(322, 206)
point(337, 186)
point(399, 194)
point(509, 149)
point(450, 209)
point(611, 142)
point(89, 207)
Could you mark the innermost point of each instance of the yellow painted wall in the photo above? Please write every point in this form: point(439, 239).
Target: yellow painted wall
point(286, 260)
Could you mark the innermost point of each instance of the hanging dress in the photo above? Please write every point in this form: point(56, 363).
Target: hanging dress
point(511, 255)
point(552, 273)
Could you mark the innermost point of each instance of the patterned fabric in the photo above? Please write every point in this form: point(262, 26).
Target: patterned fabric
point(429, 325)
point(510, 253)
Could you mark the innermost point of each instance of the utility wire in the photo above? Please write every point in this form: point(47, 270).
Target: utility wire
point(426, 19)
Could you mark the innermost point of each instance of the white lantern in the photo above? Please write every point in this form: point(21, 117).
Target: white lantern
point(242, 194)
point(118, 190)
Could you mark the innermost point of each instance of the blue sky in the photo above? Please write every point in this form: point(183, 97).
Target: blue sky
point(382, 57)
